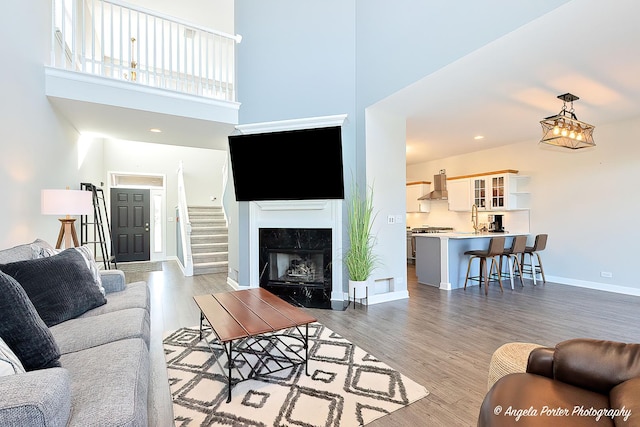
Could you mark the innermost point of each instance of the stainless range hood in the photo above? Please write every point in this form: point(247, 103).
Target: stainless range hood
point(439, 188)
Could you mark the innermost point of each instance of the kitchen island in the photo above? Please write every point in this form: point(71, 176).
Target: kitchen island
point(440, 258)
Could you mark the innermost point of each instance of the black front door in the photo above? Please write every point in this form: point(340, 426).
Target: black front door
point(130, 225)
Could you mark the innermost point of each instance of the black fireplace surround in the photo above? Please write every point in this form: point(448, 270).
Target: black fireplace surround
point(296, 264)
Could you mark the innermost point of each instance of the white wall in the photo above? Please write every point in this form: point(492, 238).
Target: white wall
point(38, 147)
point(91, 160)
point(215, 14)
point(385, 132)
point(587, 201)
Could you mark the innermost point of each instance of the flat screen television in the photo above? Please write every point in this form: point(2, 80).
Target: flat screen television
point(289, 165)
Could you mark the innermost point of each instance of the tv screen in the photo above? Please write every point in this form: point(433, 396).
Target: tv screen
point(290, 165)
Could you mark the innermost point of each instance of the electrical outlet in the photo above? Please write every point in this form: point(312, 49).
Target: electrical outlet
point(391, 219)
point(606, 274)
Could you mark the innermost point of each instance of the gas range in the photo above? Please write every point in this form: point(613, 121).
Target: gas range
point(432, 230)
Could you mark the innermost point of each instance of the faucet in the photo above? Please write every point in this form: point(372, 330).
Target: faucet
point(474, 218)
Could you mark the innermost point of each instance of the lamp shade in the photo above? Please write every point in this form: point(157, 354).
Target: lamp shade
point(66, 202)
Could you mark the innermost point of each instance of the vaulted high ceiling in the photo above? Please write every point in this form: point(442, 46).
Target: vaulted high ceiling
point(586, 47)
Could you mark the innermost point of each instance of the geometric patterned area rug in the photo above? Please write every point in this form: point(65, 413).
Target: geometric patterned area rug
point(346, 386)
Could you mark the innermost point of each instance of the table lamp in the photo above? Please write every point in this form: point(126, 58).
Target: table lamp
point(66, 202)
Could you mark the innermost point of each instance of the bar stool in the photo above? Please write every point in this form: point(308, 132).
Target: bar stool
point(539, 244)
point(496, 248)
point(517, 248)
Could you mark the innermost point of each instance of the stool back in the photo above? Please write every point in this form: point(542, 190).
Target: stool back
point(540, 242)
point(496, 246)
point(519, 244)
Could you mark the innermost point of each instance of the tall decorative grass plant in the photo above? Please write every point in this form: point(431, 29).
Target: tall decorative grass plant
point(360, 258)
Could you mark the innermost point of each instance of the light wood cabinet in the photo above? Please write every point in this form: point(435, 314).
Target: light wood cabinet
point(416, 190)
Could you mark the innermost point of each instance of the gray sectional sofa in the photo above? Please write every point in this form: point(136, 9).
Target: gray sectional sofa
point(103, 379)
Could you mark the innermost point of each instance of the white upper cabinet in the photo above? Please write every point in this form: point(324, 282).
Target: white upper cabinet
point(459, 194)
point(519, 196)
point(416, 190)
point(491, 191)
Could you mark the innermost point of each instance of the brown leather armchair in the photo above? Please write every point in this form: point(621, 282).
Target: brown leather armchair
point(580, 382)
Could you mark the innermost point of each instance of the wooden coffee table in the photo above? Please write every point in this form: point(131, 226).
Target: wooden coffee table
point(241, 319)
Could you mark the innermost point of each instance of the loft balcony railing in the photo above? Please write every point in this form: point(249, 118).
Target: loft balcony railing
point(111, 39)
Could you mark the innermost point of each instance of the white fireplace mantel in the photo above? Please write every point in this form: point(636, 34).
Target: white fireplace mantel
point(292, 205)
point(297, 214)
point(293, 124)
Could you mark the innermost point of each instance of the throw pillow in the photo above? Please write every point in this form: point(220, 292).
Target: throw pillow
point(9, 362)
point(60, 286)
point(89, 259)
point(42, 251)
point(23, 330)
point(87, 253)
point(20, 252)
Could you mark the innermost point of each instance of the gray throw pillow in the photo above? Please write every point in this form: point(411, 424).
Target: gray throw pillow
point(23, 330)
point(87, 253)
point(60, 287)
point(21, 252)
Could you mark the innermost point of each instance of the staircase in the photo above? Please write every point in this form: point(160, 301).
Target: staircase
point(209, 240)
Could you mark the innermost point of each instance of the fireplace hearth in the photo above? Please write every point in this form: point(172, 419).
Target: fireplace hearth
point(296, 264)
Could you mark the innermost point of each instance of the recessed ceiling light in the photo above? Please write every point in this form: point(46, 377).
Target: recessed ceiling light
point(155, 130)
point(478, 137)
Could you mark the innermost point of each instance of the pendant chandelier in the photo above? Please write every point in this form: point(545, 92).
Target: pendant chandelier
point(565, 130)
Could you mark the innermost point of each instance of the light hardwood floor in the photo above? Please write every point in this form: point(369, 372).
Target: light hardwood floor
point(443, 340)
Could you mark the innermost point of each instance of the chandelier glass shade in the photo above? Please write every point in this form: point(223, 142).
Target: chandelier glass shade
point(565, 130)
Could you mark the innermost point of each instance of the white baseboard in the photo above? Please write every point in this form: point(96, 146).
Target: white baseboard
point(385, 297)
point(394, 296)
point(235, 285)
point(593, 285)
point(373, 299)
point(177, 260)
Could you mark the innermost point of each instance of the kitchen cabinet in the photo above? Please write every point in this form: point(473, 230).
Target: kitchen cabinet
point(440, 259)
point(459, 194)
point(519, 195)
point(416, 190)
point(490, 191)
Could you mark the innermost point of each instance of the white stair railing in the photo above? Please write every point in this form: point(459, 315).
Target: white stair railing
point(225, 172)
point(112, 39)
point(185, 225)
